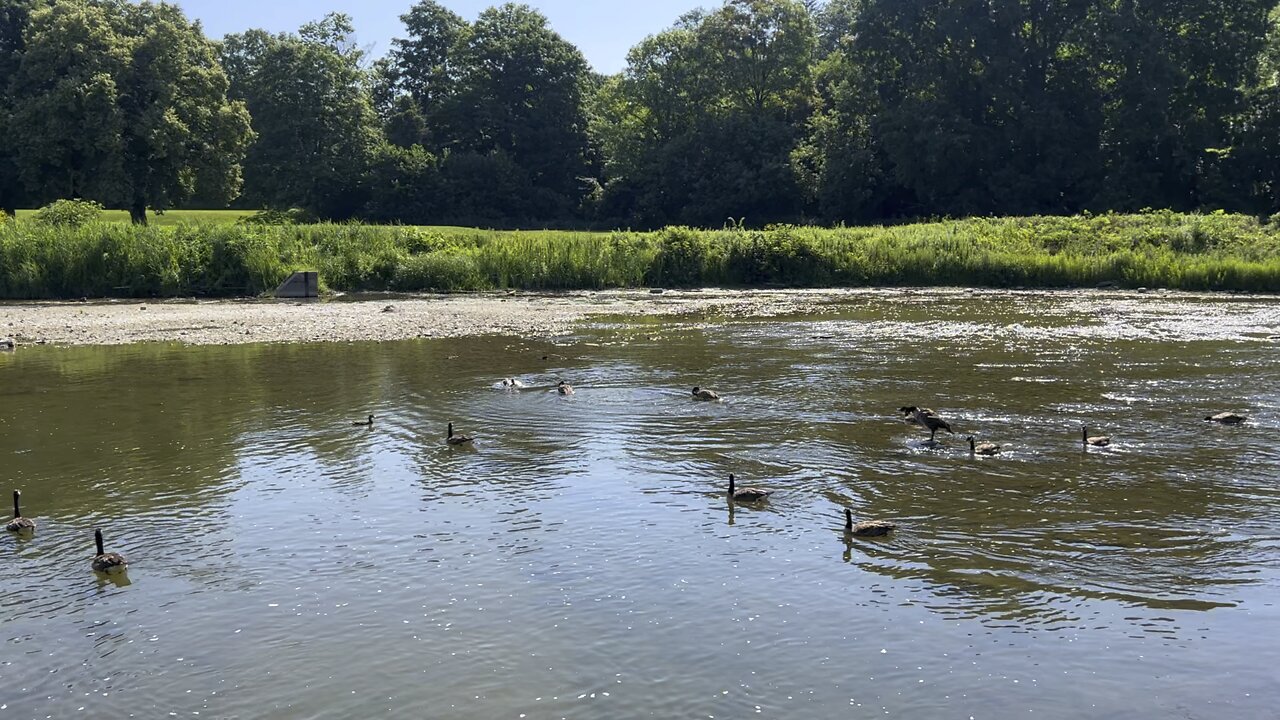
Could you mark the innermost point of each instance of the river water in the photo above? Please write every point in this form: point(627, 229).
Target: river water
point(582, 560)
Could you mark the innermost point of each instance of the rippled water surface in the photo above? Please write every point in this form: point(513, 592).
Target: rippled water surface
point(582, 560)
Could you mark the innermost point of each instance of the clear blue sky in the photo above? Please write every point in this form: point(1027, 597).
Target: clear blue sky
point(604, 30)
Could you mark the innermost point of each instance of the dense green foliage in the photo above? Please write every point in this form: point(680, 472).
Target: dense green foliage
point(315, 124)
point(765, 110)
point(69, 213)
point(1168, 250)
point(124, 104)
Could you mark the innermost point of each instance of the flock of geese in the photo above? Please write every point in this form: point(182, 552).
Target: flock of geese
point(105, 562)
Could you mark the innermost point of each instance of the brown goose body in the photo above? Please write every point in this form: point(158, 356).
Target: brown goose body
point(910, 413)
point(106, 562)
point(457, 439)
point(19, 524)
point(702, 394)
point(1094, 441)
point(867, 528)
point(929, 420)
point(1227, 418)
point(988, 449)
point(746, 494)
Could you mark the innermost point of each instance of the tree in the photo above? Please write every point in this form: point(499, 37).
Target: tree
point(310, 102)
point(427, 66)
point(1174, 76)
point(974, 107)
point(124, 104)
point(15, 16)
point(522, 93)
point(406, 186)
point(704, 121)
point(1251, 173)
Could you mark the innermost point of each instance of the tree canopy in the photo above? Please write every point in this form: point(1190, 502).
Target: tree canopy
point(768, 110)
point(124, 104)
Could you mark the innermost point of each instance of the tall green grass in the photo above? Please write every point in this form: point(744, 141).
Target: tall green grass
point(1168, 250)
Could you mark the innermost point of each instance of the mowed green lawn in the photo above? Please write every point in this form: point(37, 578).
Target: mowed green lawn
point(171, 217)
point(227, 217)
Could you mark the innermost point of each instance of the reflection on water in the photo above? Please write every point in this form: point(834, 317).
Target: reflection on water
point(583, 559)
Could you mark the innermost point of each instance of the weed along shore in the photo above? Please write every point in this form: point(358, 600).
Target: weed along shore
point(234, 322)
point(1154, 250)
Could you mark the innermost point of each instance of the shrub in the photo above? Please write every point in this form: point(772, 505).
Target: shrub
point(682, 257)
point(69, 213)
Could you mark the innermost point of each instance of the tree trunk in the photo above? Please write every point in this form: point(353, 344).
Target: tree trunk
point(138, 212)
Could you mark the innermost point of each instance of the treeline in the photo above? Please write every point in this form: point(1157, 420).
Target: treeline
point(769, 110)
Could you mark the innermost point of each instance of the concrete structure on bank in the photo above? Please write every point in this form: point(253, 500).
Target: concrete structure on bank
point(300, 285)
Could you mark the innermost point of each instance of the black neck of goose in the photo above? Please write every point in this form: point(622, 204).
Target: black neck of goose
point(17, 502)
point(450, 429)
point(971, 445)
point(848, 520)
point(97, 539)
point(731, 488)
point(1084, 435)
point(370, 419)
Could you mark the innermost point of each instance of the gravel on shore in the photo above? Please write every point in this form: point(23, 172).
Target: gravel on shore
point(369, 318)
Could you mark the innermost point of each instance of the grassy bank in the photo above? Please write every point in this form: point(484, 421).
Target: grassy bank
point(1158, 250)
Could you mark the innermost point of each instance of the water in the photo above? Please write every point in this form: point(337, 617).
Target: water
point(582, 561)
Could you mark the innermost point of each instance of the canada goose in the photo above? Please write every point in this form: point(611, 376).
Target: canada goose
point(1227, 418)
point(1096, 441)
point(747, 494)
point(910, 413)
point(930, 421)
point(106, 562)
point(983, 449)
point(700, 394)
point(512, 383)
point(19, 523)
point(867, 528)
point(366, 423)
point(564, 388)
point(457, 439)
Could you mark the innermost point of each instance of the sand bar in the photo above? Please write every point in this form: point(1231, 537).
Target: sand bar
point(373, 318)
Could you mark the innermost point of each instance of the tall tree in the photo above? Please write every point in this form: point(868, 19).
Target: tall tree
point(522, 93)
point(1251, 173)
point(962, 107)
point(1175, 75)
point(66, 107)
point(124, 104)
point(15, 16)
point(311, 109)
point(704, 121)
point(427, 67)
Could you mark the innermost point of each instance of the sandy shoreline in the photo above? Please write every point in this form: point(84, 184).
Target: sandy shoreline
point(370, 318)
point(379, 318)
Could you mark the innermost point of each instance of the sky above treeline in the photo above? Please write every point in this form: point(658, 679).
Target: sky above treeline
point(604, 30)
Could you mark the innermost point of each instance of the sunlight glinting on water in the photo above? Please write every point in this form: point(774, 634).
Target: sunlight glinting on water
point(581, 559)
